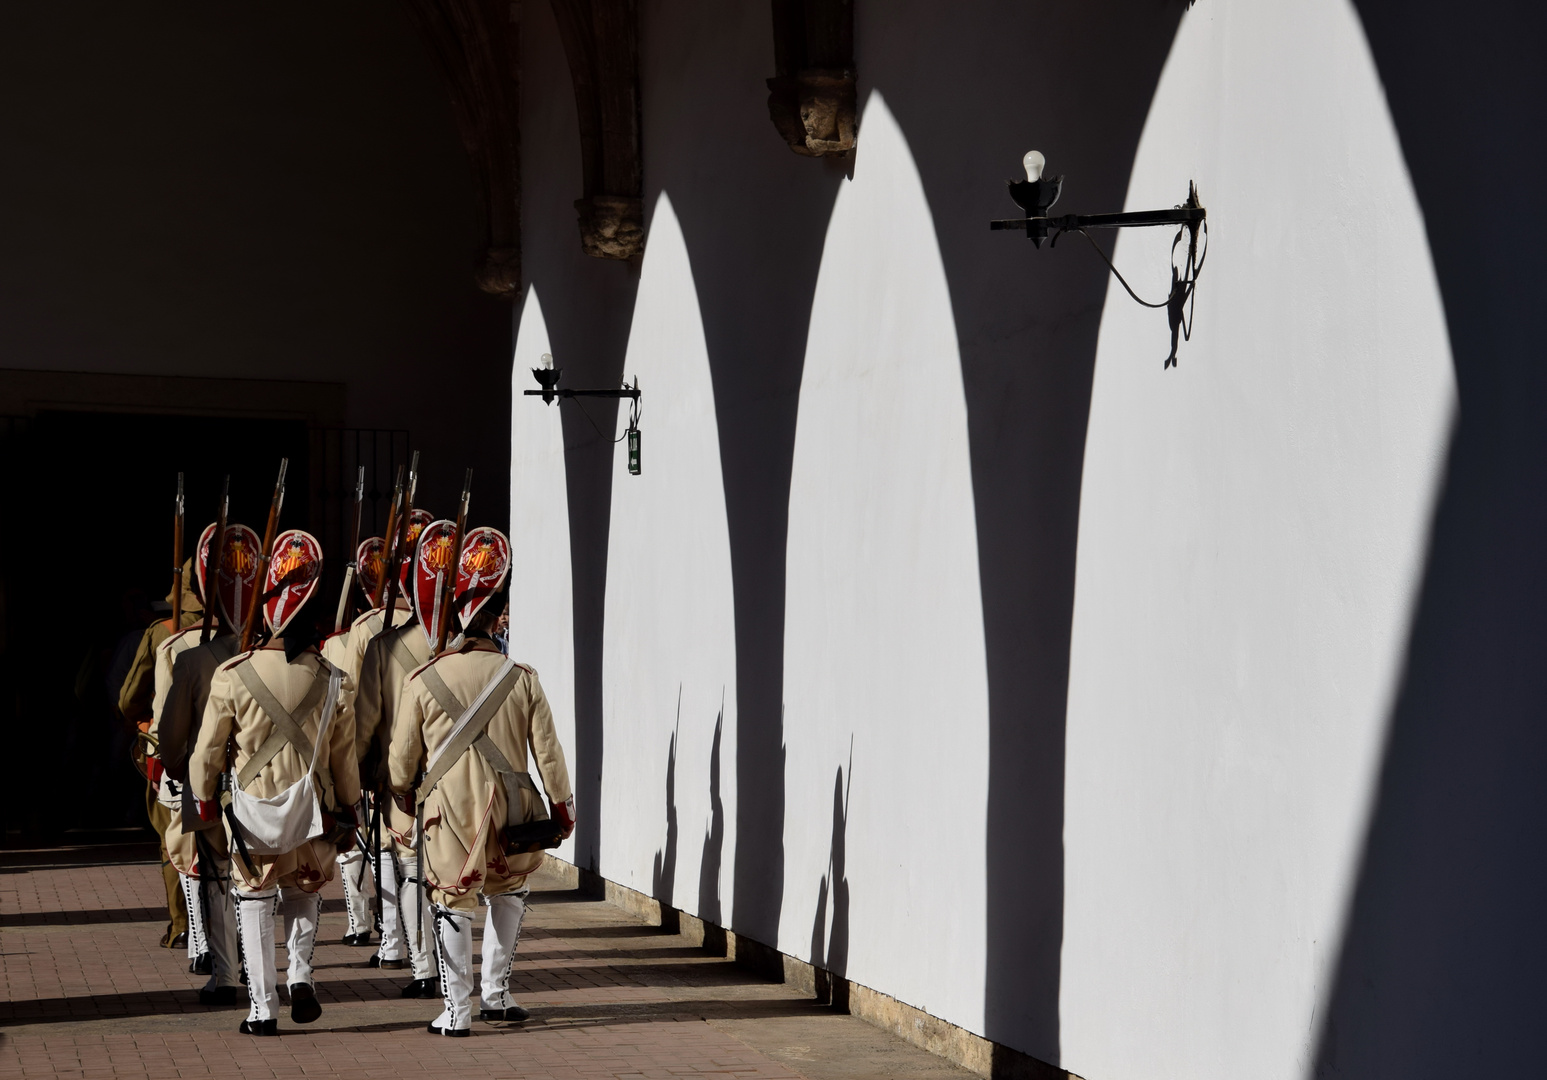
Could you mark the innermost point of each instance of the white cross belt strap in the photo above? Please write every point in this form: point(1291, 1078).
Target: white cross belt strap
point(282, 823)
point(470, 725)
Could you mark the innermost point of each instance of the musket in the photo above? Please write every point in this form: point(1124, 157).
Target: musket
point(448, 585)
point(354, 545)
point(389, 536)
point(177, 559)
point(263, 557)
point(398, 541)
point(212, 568)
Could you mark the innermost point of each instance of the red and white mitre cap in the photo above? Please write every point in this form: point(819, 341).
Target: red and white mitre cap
point(237, 574)
point(371, 565)
point(432, 563)
point(481, 572)
point(418, 521)
point(295, 572)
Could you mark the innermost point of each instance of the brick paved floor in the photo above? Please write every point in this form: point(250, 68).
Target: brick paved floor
point(88, 993)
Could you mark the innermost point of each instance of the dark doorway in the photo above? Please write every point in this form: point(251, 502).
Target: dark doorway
point(84, 556)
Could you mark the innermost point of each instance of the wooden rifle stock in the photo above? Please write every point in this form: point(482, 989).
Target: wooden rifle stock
point(212, 569)
point(177, 559)
point(263, 557)
point(448, 585)
point(354, 547)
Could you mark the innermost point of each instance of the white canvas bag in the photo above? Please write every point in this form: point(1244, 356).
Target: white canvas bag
point(283, 822)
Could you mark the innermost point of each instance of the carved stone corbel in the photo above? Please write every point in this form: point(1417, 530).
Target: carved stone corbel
point(601, 43)
point(811, 99)
point(476, 45)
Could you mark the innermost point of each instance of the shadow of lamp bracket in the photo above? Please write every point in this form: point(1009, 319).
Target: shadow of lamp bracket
point(547, 377)
point(1036, 196)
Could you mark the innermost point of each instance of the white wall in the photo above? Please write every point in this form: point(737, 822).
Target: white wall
point(885, 685)
point(669, 652)
point(1252, 529)
point(542, 617)
point(1251, 524)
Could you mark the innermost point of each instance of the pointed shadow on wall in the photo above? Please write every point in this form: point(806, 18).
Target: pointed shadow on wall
point(663, 877)
point(714, 837)
point(1442, 959)
point(830, 944)
point(1074, 81)
point(754, 217)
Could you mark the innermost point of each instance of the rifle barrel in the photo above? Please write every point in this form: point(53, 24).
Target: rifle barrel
point(398, 542)
point(177, 559)
point(263, 556)
point(453, 565)
point(212, 568)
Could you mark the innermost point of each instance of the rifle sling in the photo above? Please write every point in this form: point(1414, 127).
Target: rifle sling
point(404, 656)
point(471, 727)
point(286, 730)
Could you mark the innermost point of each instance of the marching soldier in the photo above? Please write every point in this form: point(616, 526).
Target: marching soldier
point(468, 718)
point(294, 781)
point(186, 664)
point(387, 658)
point(135, 700)
point(353, 867)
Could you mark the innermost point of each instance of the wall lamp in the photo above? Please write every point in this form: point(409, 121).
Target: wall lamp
point(547, 377)
point(1036, 196)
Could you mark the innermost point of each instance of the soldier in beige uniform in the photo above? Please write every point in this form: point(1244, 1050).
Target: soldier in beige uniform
point(185, 665)
point(386, 659)
point(288, 713)
point(136, 701)
point(468, 719)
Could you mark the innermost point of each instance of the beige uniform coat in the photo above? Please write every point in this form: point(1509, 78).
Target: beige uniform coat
point(188, 670)
point(367, 626)
point(232, 714)
point(384, 668)
point(464, 814)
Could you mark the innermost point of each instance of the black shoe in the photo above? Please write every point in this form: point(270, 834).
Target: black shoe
point(422, 988)
point(202, 965)
point(221, 995)
point(455, 1033)
point(179, 942)
point(514, 1014)
point(259, 1027)
point(362, 938)
point(304, 1006)
point(377, 962)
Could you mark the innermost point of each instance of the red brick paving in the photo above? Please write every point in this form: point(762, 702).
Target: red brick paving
point(89, 993)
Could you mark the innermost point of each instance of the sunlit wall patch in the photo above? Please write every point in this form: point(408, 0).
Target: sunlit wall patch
point(1253, 526)
point(669, 651)
point(885, 679)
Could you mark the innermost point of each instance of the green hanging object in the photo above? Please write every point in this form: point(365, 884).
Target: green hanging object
point(633, 451)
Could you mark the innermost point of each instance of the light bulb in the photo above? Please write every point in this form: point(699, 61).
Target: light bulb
point(547, 360)
point(1033, 162)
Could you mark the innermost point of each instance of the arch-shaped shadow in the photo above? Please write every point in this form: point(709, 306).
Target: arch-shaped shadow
point(588, 304)
point(1075, 81)
point(754, 217)
point(1445, 943)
